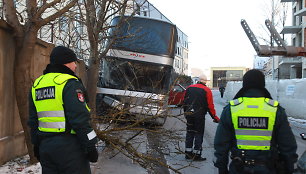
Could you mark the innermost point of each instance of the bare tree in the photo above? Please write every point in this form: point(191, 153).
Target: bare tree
point(117, 122)
point(277, 13)
point(25, 21)
point(85, 29)
point(63, 23)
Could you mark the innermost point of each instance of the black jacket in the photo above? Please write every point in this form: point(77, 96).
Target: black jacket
point(283, 139)
point(198, 99)
point(76, 113)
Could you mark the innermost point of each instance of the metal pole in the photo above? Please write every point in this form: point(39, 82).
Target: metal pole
point(273, 74)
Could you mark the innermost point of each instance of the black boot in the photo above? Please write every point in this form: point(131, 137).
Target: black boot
point(189, 155)
point(197, 157)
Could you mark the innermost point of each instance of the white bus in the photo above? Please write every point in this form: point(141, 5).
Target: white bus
point(135, 74)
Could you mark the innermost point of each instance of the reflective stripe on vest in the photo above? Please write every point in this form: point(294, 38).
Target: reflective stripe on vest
point(47, 94)
point(50, 114)
point(52, 125)
point(253, 120)
point(236, 101)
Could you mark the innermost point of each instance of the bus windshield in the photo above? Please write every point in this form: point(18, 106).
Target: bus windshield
point(135, 76)
point(145, 35)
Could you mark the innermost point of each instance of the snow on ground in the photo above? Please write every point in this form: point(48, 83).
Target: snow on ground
point(300, 123)
point(111, 161)
point(20, 166)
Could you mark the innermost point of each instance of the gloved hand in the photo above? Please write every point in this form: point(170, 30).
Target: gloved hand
point(36, 152)
point(93, 155)
point(216, 119)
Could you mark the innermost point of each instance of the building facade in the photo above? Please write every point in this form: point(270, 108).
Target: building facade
point(219, 76)
point(290, 68)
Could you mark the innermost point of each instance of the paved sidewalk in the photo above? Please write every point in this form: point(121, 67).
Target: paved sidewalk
point(110, 162)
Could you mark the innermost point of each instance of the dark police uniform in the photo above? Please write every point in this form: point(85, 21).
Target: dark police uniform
point(248, 137)
point(63, 139)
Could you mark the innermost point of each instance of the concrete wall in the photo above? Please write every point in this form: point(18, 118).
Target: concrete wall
point(290, 93)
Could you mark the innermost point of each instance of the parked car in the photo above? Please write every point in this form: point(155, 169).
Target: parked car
point(176, 95)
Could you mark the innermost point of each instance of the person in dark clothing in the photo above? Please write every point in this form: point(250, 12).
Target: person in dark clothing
point(59, 118)
point(255, 129)
point(221, 89)
point(198, 100)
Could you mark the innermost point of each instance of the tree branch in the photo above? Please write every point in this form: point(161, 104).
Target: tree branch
point(11, 17)
point(57, 14)
point(31, 9)
point(46, 5)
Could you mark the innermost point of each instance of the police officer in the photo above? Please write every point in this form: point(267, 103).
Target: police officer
point(64, 142)
point(198, 100)
point(255, 129)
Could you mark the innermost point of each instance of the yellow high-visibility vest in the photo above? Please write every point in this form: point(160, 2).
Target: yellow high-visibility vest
point(253, 120)
point(47, 94)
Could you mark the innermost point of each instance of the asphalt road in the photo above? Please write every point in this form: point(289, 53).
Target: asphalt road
point(174, 156)
point(178, 160)
point(210, 129)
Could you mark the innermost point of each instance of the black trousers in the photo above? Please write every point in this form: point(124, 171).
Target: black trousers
point(63, 155)
point(221, 94)
point(195, 131)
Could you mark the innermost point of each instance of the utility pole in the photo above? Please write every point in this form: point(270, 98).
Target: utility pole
point(273, 13)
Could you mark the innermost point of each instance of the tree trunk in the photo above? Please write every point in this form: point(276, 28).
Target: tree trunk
point(92, 88)
point(22, 79)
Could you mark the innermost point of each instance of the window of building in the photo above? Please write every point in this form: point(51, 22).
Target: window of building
point(63, 23)
point(300, 3)
point(78, 25)
point(1, 9)
point(299, 39)
point(294, 17)
point(176, 63)
point(294, 41)
point(137, 9)
point(300, 20)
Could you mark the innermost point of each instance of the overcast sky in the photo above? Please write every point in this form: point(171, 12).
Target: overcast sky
point(214, 30)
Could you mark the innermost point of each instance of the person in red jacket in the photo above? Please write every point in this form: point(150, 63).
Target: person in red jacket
point(198, 100)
